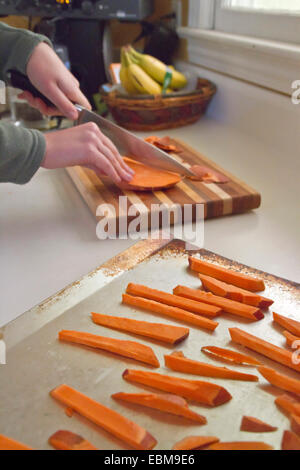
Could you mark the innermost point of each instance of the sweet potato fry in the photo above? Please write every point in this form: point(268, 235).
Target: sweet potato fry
point(280, 380)
point(6, 443)
point(166, 333)
point(295, 424)
point(234, 293)
point(290, 441)
point(178, 362)
point(290, 339)
point(230, 306)
point(195, 442)
point(230, 356)
point(242, 445)
point(108, 419)
point(173, 300)
point(202, 392)
point(173, 312)
point(292, 326)
point(227, 275)
point(288, 404)
point(263, 347)
point(251, 424)
point(131, 349)
point(167, 403)
point(67, 440)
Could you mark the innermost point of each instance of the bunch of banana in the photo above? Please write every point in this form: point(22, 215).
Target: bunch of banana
point(144, 74)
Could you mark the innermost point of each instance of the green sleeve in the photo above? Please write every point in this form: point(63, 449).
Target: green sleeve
point(21, 150)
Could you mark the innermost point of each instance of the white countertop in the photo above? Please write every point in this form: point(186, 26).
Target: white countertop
point(48, 235)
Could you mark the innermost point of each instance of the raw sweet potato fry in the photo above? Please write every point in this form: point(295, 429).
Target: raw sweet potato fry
point(230, 356)
point(173, 312)
point(173, 300)
point(288, 404)
point(242, 445)
point(295, 424)
point(280, 380)
point(290, 338)
point(290, 441)
point(108, 419)
point(292, 326)
point(67, 440)
point(178, 362)
point(251, 424)
point(202, 392)
point(6, 443)
point(234, 293)
point(167, 403)
point(131, 349)
point(195, 442)
point(263, 347)
point(166, 333)
point(227, 275)
point(230, 306)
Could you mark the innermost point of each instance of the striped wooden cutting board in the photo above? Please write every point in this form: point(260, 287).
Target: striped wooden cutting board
point(219, 199)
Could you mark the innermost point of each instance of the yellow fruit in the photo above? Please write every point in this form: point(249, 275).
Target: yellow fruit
point(142, 81)
point(124, 76)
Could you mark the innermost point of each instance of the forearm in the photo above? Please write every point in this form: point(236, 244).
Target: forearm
point(16, 47)
point(21, 153)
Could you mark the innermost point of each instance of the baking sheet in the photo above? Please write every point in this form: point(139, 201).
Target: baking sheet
point(37, 362)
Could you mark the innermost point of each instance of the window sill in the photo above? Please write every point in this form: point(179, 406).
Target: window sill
point(271, 64)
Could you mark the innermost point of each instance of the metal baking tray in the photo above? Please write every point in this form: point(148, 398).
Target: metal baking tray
point(37, 362)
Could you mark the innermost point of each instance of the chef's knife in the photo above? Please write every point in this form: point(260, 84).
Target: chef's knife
point(126, 142)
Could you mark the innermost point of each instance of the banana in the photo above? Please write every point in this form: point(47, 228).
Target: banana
point(141, 80)
point(157, 69)
point(124, 76)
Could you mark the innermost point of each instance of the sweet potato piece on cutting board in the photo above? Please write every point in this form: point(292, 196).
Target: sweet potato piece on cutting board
point(240, 445)
point(131, 349)
point(167, 403)
point(289, 324)
point(280, 380)
point(207, 175)
point(163, 143)
point(290, 441)
point(295, 424)
point(288, 404)
point(230, 356)
point(6, 443)
point(227, 275)
point(251, 424)
point(206, 393)
point(195, 442)
point(178, 362)
point(67, 440)
point(167, 333)
point(108, 419)
point(147, 178)
point(290, 338)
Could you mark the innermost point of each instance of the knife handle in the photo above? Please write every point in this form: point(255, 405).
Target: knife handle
point(18, 80)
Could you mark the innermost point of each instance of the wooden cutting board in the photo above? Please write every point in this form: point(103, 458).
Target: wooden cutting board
point(219, 199)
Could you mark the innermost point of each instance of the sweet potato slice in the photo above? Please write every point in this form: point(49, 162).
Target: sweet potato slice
point(230, 356)
point(173, 300)
point(6, 443)
point(195, 442)
point(167, 403)
point(108, 419)
point(240, 445)
point(230, 306)
point(227, 275)
point(67, 440)
point(292, 326)
point(234, 293)
point(167, 310)
point(290, 441)
point(290, 339)
point(131, 349)
point(163, 143)
point(251, 424)
point(202, 392)
point(263, 347)
point(178, 362)
point(288, 404)
point(147, 178)
point(280, 380)
point(207, 175)
point(166, 333)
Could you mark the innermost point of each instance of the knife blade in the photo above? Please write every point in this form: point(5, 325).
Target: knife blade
point(133, 146)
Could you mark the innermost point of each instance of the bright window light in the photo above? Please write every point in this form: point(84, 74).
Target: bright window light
point(268, 6)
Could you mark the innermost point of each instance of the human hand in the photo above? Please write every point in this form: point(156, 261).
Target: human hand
point(85, 145)
point(50, 76)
